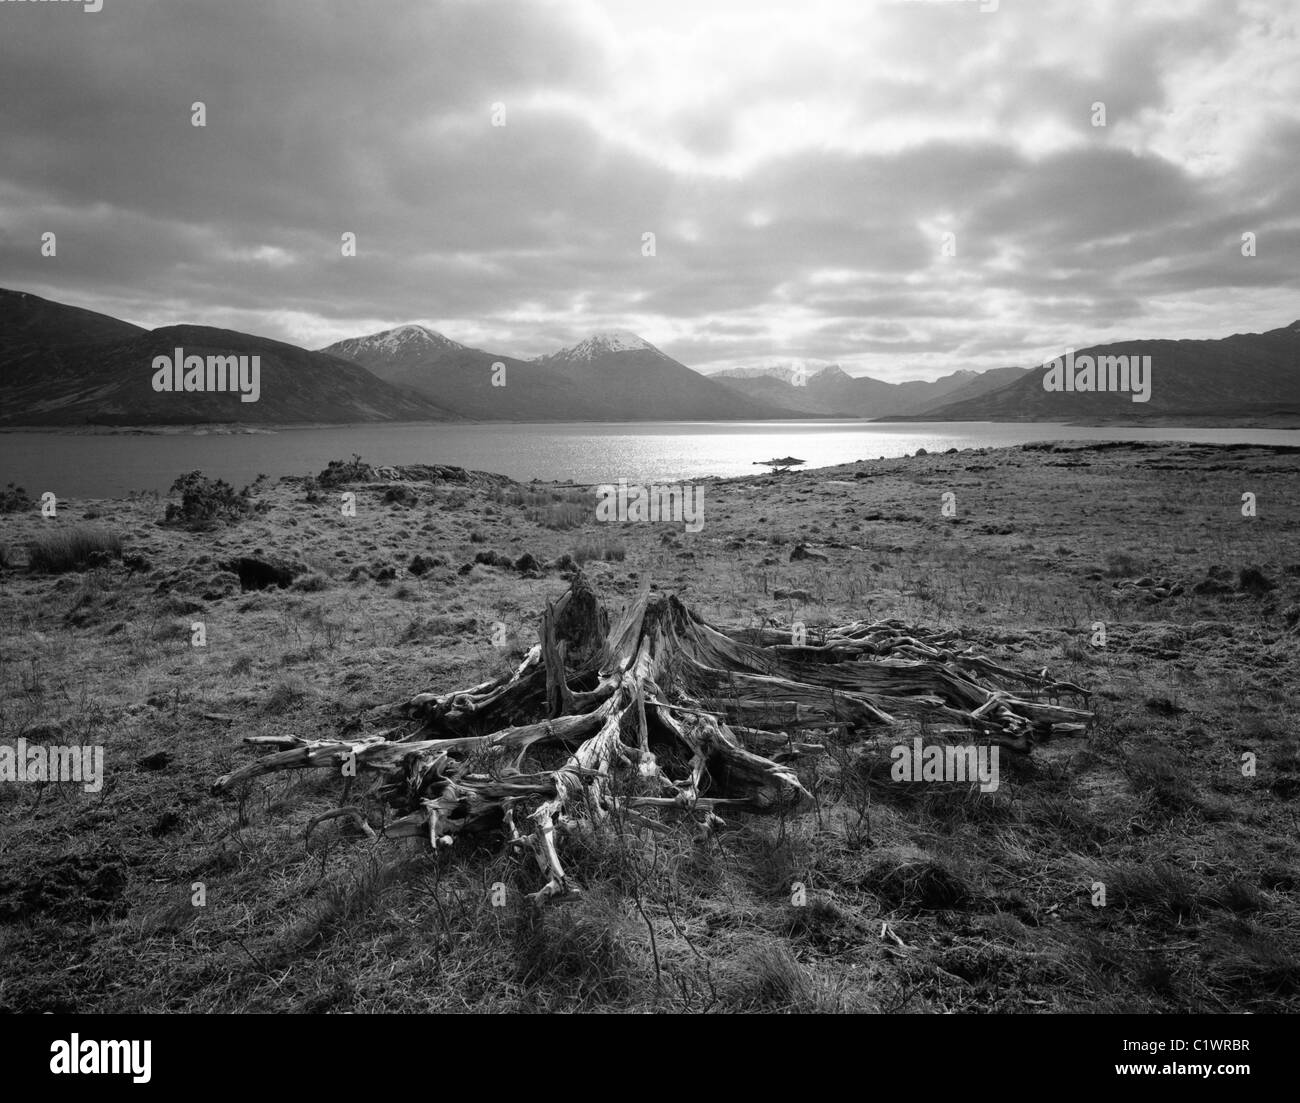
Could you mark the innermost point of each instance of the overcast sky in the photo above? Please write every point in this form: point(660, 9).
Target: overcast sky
point(798, 162)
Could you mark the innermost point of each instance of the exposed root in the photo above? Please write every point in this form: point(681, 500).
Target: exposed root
point(660, 684)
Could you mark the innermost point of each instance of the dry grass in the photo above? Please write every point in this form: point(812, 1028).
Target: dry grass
point(884, 897)
point(72, 549)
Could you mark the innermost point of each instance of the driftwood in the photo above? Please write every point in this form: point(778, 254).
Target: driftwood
point(607, 702)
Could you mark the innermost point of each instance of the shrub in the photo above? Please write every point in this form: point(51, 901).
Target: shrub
point(1252, 580)
point(207, 501)
point(73, 549)
point(14, 499)
point(339, 472)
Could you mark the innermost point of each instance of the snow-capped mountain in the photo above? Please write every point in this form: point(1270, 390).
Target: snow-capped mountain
point(475, 383)
point(396, 343)
point(602, 344)
point(634, 381)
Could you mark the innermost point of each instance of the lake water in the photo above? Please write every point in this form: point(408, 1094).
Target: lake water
point(78, 465)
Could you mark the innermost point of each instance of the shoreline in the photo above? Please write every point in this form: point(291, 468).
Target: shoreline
point(1278, 424)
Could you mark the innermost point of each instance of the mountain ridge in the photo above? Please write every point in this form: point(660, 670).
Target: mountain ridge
point(65, 365)
point(1240, 376)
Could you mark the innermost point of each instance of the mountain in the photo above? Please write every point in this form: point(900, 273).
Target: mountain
point(832, 392)
point(400, 343)
point(1247, 375)
point(461, 378)
point(633, 381)
point(784, 370)
point(962, 385)
point(60, 365)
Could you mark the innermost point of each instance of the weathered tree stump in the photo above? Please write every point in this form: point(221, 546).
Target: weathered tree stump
point(660, 683)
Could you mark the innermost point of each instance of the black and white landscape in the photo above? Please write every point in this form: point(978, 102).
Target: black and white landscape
point(534, 506)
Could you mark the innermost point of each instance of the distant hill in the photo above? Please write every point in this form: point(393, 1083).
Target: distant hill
point(832, 392)
point(1245, 376)
point(60, 365)
point(784, 370)
point(967, 384)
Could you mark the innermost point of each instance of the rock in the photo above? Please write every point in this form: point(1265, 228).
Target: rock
point(423, 564)
point(527, 562)
point(792, 595)
point(156, 761)
point(922, 452)
point(1210, 587)
point(803, 551)
point(402, 495)
point(261, 574)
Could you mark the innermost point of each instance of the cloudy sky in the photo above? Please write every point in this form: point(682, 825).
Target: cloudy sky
point(798, 162)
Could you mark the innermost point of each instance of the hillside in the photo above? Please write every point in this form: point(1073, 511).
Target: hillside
point(64, 366)
point(60, 365)
point(1247, 375)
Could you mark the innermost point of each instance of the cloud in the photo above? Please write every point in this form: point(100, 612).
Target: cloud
point(798, 165)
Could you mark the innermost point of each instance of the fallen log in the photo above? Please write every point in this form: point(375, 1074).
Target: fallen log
point(578, 730)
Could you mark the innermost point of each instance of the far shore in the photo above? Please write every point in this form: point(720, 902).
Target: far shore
point(1280, 422)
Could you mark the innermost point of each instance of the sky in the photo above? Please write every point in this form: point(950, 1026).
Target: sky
point(799, 165)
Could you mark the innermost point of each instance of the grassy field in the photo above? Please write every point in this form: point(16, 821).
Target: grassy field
point(918, 897)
